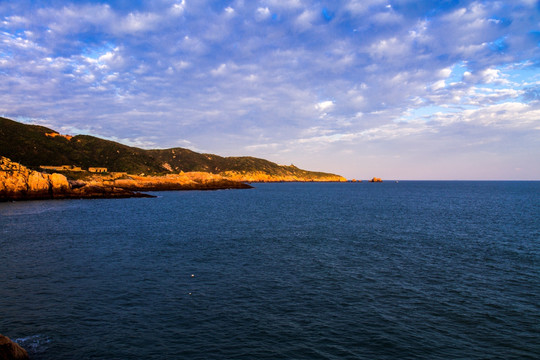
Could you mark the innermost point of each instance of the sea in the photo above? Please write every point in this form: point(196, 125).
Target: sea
point(393, 270)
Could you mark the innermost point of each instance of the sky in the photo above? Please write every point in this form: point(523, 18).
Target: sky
point(404, 89)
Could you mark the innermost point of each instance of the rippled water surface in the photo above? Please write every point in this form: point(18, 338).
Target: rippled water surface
point(409, 270)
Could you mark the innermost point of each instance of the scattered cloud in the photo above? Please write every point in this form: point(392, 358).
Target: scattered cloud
point(178, 8)
point(282, 79)
point(229, 11)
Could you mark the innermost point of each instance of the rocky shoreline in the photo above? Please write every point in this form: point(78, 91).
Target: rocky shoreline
point(260, 176)
point(10, 350)
point(18, 182)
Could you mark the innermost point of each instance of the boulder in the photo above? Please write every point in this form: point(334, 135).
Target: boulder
point(59, 183)
point(37, 182)
point(10, 350)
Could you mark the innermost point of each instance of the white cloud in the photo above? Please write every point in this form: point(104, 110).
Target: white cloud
point(138, 22)
point(229, 11)
point(446, 72)
point(112, 59)
point(72, 19)
point(284, 4)
point(506, 116)
point(386, 18)
point(252, 77)
point(441, 84)
point(487, 76)
point(530, 3)
point(193, 45)
point(324, 106)
point(181, 65)
point(10, 40)
point(305, 20)
point(389, 48)
point(363, 6)
point(220, 70)
point(13, 21)
point(178, 8)
point(262, 13)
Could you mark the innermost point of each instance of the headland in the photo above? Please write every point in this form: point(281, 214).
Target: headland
point(34, 158)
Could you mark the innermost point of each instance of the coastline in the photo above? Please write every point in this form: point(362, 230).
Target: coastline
point(18, 183)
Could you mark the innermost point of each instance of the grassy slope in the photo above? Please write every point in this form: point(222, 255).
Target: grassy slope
point(28, 145)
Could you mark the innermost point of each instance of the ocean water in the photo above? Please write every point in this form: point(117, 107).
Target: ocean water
point(408, 270)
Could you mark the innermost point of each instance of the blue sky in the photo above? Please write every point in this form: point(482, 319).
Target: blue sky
point(401, 89)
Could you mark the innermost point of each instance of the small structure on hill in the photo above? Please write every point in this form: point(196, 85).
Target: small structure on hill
point(97, 169)
point(73, 168)
point(62, 168)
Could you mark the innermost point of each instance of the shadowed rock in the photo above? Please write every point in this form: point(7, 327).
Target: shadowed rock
point(10, 350)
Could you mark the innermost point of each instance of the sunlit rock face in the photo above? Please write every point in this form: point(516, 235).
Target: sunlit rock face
point(10, 350)
point(376, 179)
point(260, 176)
point(19, 182)
point(59, 183)
point(182, 181)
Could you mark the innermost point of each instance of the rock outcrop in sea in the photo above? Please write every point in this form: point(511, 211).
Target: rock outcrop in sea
point(10, 350)
point(376, 179)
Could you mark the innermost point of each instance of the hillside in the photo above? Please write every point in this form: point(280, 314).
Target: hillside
point(34, 145)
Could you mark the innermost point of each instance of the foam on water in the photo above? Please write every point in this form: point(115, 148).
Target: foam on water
point(34, 344)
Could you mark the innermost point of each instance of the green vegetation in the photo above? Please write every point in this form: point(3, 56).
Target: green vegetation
point(30, 146)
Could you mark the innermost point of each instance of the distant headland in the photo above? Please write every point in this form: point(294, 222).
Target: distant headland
point(40, 163)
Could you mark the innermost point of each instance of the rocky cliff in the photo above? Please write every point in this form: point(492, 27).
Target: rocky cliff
point(19, 182)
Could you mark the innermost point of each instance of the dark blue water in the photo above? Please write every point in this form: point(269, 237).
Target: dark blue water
point(409, 270)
